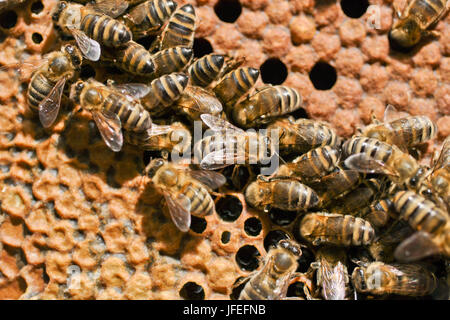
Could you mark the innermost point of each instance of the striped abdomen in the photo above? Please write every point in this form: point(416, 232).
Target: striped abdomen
point(414, 130)
point(427, 11)
point(201, 201)
point(292, 195)
point(157, 12)
point(105, 29)
point(205, 70)
point(372, 147)
point(421, 214)
point(39, 87)
point(171, 60)
point(235, 84)
point(336, 229)
point(266, 104)
point(377, 213)
point(135, 59)
point(180, 29)
point(336, 183)
point(132, 115)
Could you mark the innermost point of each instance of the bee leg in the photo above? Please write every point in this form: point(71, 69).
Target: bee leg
point(431, 34)
point(305, 278)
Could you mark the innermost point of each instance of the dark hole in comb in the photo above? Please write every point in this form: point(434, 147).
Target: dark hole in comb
point(228, 10)
point(229, 208)
point(253, 226)
point(295, 290)
point(273, 237)
point(8, 19)
point(300, 114)
point(226, 236)
point(305, 260)
point(198, 225)
point(247, 258)
point(149, 155)
point(354, 8)
point(280, 217)
point(192, 291)
point(202, 47)
point(273, 71)
point(237, 176)
point(237, 289)
point(37, 7)
point(323, 76)
point(37, 38)
point(87, 71)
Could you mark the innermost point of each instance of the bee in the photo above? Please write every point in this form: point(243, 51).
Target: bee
point(205, 70)
point(281, 193)
point(336, 229)
point(231, 145)
point(377, 213)
point(185, 191)
point(272, 281)
point(234, 85)
point(312, 165)
point(148, 17)
point(265, 105)
point(195, 101)
point(416, 19)
point(303, 135)
point(165, 138)
point(171, 60)
point(112, 108)
point(404, 132)
point(431, 223)
point(47, 82)
point(332, 275)
point(370, 155)
point(439, 176)
point(180, 29)
point(403, 279)
point(164, 91)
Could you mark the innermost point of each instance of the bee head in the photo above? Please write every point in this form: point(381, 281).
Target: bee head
point(58, 10)
point(285, 259)
point(405, 34)
point(75, 91)
point(256, 194)
point(75, 55)
point(153, 167)
point(407, 167)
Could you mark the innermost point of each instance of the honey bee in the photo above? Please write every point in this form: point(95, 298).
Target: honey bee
point(336, 229)
point(165, 138)
point(148, 17)
point(281, 193)
point(185, 191)
point(234, 85)
point(303, 135)
point(47, 82)
point(93, 24)
point(377, 213)
point(403, 279)
point(370, 155)
point(416, 19)
point(265, 105)
point(404, 132)
point(112, 108)
point(272, 281)
point(312, 165)
point(180, 29)
point(205, 70)
point(171, 60)
point(195, 101)
point(432, 225)
point(439, 176)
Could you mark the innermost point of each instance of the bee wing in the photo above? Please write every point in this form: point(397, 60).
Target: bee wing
point(220, 159)
point(334, 282)
point(156, 130)
point(417, 246)
point(49, 107)
point(109, 125)
point(444, 155)
point(179, 209)
point(211, 179)
point(366, 164)
point(205, 102)
point(218, 124)
point(88, 47)
point(112, 8)
point(135, 90)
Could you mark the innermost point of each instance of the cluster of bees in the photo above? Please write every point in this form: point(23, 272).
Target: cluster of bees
point(367, 191)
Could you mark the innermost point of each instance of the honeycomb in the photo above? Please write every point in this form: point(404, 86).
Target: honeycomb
point(78, 221)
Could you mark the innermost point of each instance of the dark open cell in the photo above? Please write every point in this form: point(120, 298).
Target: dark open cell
point(247, 258)
point(354, 8)
point(252, 226)
point(202, 47)
point(87, 71)
point(37, 7)
point(280, 217)
point(305, 260)
point(8, 19)
point(225, 238)
point(192, 291)
point(37, 38)
point(273, 71)
point(229, 208)
point(198, 225)
point(295, 290)
point(149, 155)
point(228, 10)
point(273, 237)
point(323, 76)
point(237, 176)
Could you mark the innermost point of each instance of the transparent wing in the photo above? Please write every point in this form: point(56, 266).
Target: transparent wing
point(109, 125)
point(135, 90)
point(390, 114)
point(364, 163)
point(416, 247)
point(201, 100)
point(49, 107)
point(220, 159)
point(179, 210)
point(444, 156)
point(136, 15)
point(156, 130)
point(112, 8)
point(334, 282)
point(211, 179)
point(218, 124)
point(88, 47)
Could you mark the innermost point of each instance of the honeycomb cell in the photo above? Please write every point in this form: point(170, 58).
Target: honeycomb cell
point(229, 208)
point(202, 47)
point(8, 19)
point(273, 71)
point(354, 8)
point(323, 76)
point(273, 237)
point(252, 226)
point(247, 258)
point(228, 10)
point(192, 291)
